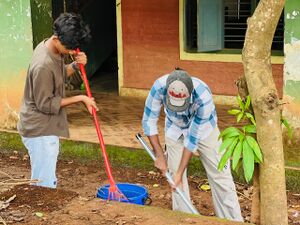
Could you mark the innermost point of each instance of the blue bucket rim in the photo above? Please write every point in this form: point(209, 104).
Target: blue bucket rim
point(129, 184)
point(106, 186)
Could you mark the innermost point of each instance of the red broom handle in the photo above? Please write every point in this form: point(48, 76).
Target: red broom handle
point(97, 124)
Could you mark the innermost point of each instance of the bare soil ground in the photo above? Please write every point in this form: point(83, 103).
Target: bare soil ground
point(74, 202)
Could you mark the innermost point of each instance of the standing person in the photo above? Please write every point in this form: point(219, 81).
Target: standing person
point(190, 127)
point(42, 116)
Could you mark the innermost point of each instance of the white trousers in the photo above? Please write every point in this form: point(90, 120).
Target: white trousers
point(221, 182)
point(43, 152)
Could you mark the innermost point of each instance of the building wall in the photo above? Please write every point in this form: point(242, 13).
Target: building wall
point(291, 90)
point(15, 53)
point(41, 11)
point(150, 32)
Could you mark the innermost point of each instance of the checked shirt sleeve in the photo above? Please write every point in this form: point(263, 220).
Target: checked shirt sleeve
point(203, 123)
point(152, 110)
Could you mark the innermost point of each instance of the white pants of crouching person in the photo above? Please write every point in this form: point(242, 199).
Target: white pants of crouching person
point(221, 182)
point(43, 152)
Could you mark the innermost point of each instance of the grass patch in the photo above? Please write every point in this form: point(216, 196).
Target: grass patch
point(292, 148)
point(118, 156)
point(293, 180)
point(11, 142)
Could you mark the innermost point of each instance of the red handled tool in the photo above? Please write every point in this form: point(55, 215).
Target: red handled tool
point(113, 193)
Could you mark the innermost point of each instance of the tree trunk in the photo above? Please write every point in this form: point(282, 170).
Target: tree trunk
point(265, 102)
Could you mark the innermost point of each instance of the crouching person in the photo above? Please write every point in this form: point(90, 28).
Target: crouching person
point(190, 127)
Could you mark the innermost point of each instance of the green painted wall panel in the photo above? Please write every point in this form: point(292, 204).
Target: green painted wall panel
point(41, 11)
point(15, 37)
point(15, 53)
point(292, 20)
point(291, 89)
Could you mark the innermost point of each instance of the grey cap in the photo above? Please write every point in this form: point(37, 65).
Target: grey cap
point(185, 84)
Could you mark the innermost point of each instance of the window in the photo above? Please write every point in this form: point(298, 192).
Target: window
point(221, 24)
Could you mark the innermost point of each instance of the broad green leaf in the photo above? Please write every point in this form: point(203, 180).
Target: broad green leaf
point(248, 102)
point(239, 116)
point(250, 117)
point(228, 131)
point(226, 143)
point(227, 154)
point(241, 136)
point(250, 128)
point(256, 160)
point(233, 111)
point(248, 161)
point(232, 134)
point(237, 154)
point(254, 145)
point(241, 104)
point(287, 125)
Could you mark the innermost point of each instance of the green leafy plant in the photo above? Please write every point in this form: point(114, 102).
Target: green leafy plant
point(240, 144)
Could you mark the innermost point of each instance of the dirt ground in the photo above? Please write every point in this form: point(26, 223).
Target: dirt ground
point(74, 202)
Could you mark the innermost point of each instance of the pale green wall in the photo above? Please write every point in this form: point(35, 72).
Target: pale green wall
point(291, 87)
point(15, 37)
point(15, 52)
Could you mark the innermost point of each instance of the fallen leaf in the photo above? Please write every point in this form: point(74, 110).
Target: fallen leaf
point(152, 172)
point(155, 185)
point(39, 214)
point(205, 187)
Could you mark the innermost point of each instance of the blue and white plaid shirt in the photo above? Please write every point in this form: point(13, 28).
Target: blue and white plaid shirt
point(196, 123)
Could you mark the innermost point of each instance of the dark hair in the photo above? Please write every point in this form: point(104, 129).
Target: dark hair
point(71, 30)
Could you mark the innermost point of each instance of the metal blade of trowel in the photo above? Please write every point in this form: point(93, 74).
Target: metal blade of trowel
point(168, 176)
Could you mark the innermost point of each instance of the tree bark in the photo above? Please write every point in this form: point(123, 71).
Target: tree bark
point(265, 102)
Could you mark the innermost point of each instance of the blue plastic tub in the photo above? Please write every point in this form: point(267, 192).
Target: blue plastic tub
point(136, 194)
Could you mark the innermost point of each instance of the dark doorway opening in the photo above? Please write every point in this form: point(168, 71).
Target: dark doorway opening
point(102, 67)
